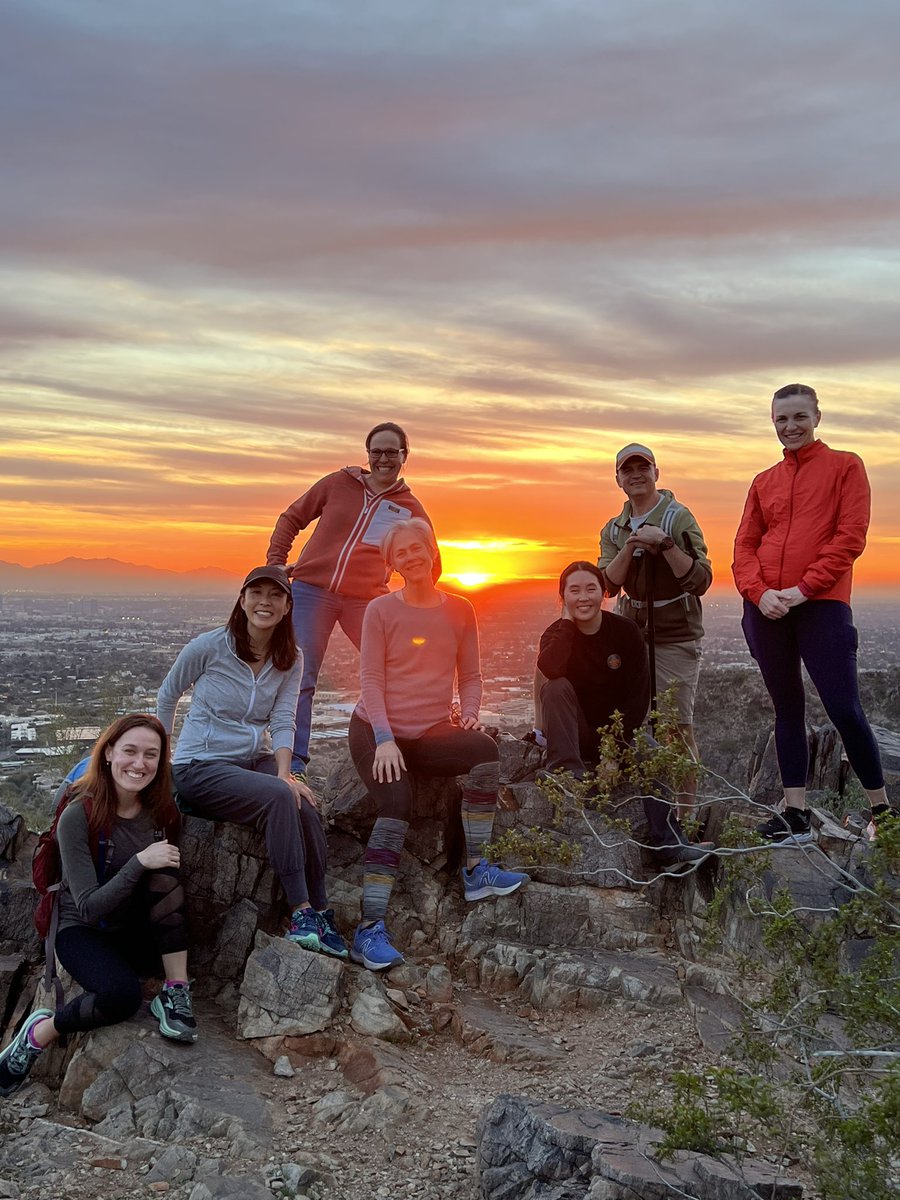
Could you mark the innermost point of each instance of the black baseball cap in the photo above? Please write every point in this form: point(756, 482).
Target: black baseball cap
point(275, 574)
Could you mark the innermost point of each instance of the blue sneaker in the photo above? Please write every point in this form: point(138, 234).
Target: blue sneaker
point(330, 941)
point(487, 879)
point(304, 929)
point(20, 1056)
point(372, 947)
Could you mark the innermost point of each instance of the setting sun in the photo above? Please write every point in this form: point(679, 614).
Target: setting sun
point(470, 579)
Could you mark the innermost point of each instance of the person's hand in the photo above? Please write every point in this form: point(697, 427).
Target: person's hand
point(791, 597)
point(301, 790)
point(771, 605)
point(158, 855)
point(388, 763)
point(471, 723)
point(648, 537)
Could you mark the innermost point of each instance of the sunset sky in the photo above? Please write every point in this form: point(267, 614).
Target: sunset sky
point(234, 236)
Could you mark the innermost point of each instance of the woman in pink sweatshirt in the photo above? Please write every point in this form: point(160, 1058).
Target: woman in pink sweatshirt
point(414, 642)
point(340, 569)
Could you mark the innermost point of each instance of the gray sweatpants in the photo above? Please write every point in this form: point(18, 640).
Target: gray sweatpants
point(250, 794)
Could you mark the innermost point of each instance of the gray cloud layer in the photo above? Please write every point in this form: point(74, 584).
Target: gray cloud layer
point(510, 221)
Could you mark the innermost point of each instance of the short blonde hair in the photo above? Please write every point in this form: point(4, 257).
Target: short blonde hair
point(417, 525)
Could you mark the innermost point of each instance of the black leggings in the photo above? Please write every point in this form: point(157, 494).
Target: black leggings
point(109, 964)
point(819, 633)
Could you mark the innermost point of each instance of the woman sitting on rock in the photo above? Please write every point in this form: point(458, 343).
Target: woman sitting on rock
point(595, 664)
point(121, 903)
point(233, 758)
point(413, 643)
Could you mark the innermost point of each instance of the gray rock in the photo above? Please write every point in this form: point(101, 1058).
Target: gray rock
point(12, 834)
point(61, 1147)
point(586, 917)
point(176, 1164)
point(223, 960)
point(568, 979)
point(283, 1067)
point(226, 1187)
point(288, 990)
point(439, 984)
point(373, 1016)
point(485, 1029)
point(528, 1149)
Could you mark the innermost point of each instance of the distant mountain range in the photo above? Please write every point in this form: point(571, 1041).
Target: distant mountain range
point(109, 576)
point(112, 577)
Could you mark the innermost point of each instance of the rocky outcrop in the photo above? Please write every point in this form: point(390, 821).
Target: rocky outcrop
point(288, 991)
point(528, 1150)
point(491, 983)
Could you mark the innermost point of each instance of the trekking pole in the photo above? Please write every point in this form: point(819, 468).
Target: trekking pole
point(649, 575)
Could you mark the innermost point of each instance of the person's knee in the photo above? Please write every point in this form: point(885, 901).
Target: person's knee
point(278, 802)
point(557, 689)
point(118, 1003)
point(484, 776)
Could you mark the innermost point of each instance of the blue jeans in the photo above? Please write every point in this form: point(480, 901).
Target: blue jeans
point(821, 635)
point(315, 612)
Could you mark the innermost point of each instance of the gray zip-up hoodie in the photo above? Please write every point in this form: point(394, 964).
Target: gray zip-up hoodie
point(231, 707)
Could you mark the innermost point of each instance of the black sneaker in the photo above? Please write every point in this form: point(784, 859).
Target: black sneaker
point(174, 1010)
point(680, 857)
point(791, 826)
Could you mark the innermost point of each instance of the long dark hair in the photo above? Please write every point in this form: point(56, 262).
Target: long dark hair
point(283, 646)
point(590, 567)
point(97, 780)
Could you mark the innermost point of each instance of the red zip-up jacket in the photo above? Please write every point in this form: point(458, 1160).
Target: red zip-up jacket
point(343, 554)
point(804, 525)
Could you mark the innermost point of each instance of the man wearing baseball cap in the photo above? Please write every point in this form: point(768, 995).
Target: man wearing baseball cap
point(653, 552)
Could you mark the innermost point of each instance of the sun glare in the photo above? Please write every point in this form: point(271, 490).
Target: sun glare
point(471, 579)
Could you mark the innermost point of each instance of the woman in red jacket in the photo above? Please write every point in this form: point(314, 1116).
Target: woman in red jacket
point(804, 525)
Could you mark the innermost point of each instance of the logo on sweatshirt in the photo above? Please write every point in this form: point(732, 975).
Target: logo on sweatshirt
point(614, 662)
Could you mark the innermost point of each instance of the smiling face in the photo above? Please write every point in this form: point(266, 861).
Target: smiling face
point(386, 458)
point(264, 604)
point(133, 761)
point(795, 418)
point(583, 597)
point(411, 556)
point(637, 478)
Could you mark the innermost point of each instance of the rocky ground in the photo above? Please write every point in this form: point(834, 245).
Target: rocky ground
point(496, 1064)
point(413, 1136)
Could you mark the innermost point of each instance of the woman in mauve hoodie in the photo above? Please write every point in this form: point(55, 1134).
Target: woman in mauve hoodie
point(340, 569)
point(804, 525)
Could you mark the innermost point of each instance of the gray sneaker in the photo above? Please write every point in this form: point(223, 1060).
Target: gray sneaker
point(174, 1009)
point(20, 1056)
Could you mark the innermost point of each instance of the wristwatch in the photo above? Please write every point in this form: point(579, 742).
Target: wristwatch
point(667, 543)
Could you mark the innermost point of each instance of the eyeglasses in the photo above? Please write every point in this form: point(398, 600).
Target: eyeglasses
point(391, 455)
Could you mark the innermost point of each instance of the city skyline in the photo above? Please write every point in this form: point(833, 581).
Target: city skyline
point(232, 239)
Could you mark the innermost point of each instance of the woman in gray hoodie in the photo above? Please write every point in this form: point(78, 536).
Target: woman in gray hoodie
point(233, 757)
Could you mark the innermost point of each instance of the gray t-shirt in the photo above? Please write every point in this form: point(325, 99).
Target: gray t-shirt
point(84, 901)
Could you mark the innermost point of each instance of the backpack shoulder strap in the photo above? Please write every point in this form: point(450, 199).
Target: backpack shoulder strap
point(670, 516)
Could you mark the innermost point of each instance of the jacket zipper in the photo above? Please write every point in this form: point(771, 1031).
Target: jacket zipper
point(784, 540)
point(254, 682)
point(356, 533)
